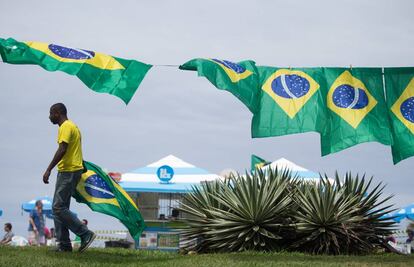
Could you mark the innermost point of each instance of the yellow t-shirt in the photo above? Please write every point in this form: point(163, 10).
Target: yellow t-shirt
point(72, 160)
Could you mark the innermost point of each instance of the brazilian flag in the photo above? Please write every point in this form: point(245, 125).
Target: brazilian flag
point(283, 101)
point(102, 194)
point(240, 78)
point(357, 109)
point(291, 101)
point(399, 85)
point(346, 107)
point(257, 163)
point(101, 73)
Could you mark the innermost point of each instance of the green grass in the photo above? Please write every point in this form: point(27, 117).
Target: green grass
point(31, 256)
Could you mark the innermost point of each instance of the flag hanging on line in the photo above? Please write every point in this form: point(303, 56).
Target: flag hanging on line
point(101, 73)
point(357, 109)
point(240, 78)
point(291, 101)
point(283, 101)
point(346, 107)
point(399, 86)
point(102, 194)
point(257, 163)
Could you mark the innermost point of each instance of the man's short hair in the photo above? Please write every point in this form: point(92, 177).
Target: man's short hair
point(8, 225)
point(60, 107)
point(38, 202)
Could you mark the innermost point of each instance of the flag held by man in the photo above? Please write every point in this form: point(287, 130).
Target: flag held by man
point(102, 194)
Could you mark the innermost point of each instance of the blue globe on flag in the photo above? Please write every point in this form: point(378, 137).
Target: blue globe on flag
point(407, 109)
point(290, 86)
point(71, 53)
point(98, 188)
point(346, 96)
point(231, 65)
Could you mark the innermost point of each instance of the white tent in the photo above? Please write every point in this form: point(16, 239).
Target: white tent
point(158, 187)
point(167, 175)
point(297, 170)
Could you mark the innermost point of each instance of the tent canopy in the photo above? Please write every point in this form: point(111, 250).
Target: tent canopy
point(47, 206)
point(297, 170)
point(404, 213)
point(30, 205)
point(168, 175)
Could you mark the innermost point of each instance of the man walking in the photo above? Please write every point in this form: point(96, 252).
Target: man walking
point(68, 158)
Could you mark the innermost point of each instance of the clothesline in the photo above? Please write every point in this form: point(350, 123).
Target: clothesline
point(289, 67)
point(166, 65)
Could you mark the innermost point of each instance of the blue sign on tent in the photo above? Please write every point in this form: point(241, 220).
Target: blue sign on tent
point(165, 173)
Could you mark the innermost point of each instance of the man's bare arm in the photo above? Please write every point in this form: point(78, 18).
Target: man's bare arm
point(33, 224)
point(56, 158)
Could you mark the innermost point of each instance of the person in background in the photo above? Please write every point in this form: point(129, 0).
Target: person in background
point(391, 238)
point(52, 241)
point(8, 235)
point(37, 224)
point(410, 232)
point(410, 239)
point(52, 233)
point(47, 233)
point(390, 243)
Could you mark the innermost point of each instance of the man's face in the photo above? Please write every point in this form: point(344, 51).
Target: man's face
point(6, 229)
point(53, 116)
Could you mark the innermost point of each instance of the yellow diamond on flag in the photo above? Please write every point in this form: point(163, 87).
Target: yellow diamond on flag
point(290, 89)
point(259, 165)
point(403, 108)
point(73, 55)
point(350, 99)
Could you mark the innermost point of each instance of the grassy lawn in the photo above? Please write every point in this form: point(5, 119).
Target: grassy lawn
point(29, 256)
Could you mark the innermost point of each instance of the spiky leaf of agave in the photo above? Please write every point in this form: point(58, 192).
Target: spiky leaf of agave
point(245, 213)
point(372, 228)
point(341, 218)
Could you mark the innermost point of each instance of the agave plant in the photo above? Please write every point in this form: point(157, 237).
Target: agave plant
point(373, 227)
point(341, 218)
point(250, 212)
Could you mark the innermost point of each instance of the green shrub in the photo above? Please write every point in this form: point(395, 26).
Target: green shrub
point(274, 210)
point(240, 213)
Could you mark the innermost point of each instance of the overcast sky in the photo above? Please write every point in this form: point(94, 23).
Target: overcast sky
point(173, 111)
